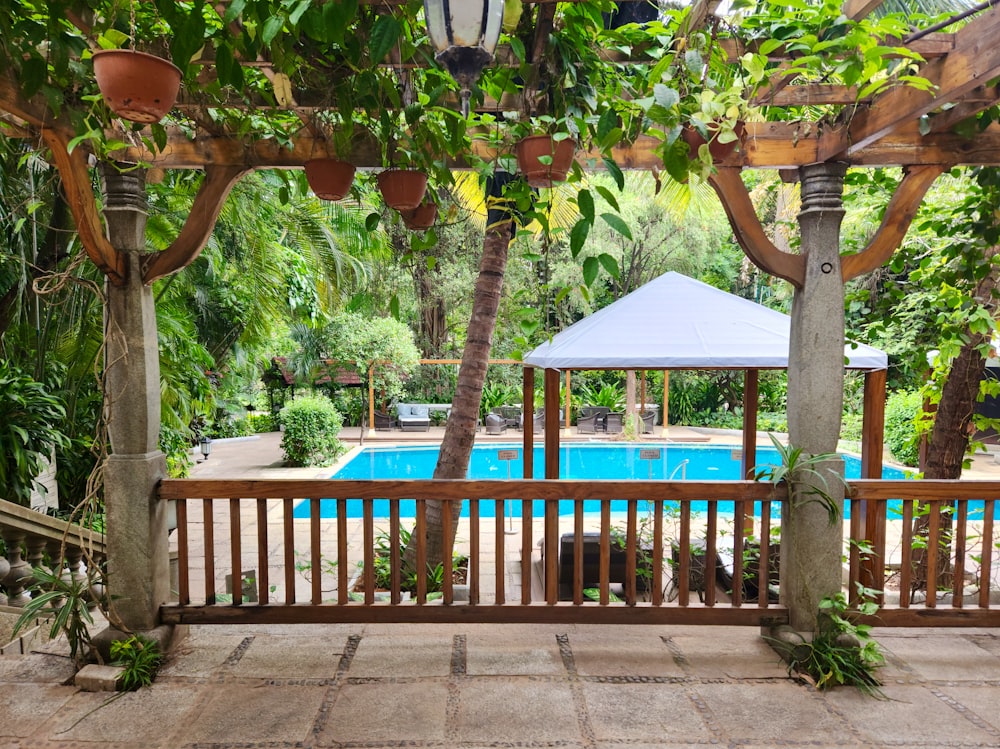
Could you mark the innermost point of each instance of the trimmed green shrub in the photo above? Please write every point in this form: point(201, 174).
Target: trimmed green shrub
point(901, 411)
point(262, 422)
point(311, 428)
point(176, 446)
point(850, 426)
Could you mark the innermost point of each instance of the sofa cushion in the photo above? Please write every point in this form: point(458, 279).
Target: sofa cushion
point(420, 411)
point(405, 409)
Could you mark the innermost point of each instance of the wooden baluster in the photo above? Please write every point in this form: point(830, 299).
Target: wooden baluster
point(263, 583)
point(315, 551)
point(764, 579)
point(420, 531)
point(931, 554)
point(711, 534)
point(986, 554)
point(527, 521)
point(20, 574)
point(368, 521)
point(854, 574)
point(658, 553)
point(288, 542)
point(739, 519)
point(551, 541)
point(631, 551)
point(578, 551)
point(395, 559)
point(906, 555)
point(604, 566)
point(343, 595)
point(447, 508)
point(183, 555)
point(500, 550)
point(209, 520)
point(683, 571)
point(235, 549)
point(473, 566)
point(959, 541)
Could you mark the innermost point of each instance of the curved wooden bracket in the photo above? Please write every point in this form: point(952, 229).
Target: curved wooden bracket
point(83, 205)
point(219, 180)
point(749, 232)
point(898, 217)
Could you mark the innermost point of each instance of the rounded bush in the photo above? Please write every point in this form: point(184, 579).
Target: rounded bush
point(311, 428)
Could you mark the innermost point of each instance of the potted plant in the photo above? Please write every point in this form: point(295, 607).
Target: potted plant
point(136, 86)
point(422, 217)
point(698, 102)
point(331, 177)
point(545, 158)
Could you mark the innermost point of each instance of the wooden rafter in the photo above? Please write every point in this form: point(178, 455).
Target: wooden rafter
point(974, 61)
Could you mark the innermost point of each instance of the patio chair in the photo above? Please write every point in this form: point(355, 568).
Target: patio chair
point(613, 423)
point(511, 416)
point(590, 423)
point(495, 423)
point(384, 422)
point(648, 421)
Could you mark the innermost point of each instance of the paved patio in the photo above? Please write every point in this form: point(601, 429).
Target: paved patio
point(476, 686)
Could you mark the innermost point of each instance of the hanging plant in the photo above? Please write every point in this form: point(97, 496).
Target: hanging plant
point(136, 86)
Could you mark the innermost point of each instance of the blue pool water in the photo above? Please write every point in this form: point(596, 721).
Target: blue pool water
point(576, 461)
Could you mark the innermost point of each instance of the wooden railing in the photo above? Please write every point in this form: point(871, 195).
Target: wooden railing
point(29, 537)
point(653, 552)
point(895, 523)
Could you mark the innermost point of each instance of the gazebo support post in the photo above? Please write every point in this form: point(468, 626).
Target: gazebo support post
point(551, 390)
point(137, 526)
point(751, 405)
point(810, 544)
point(528, 420)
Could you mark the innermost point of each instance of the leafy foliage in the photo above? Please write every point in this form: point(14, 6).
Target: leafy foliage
point(842, 653)
point(66, 599)
point(28, 433)
point(808, 477)
point(140, 657)
point(901, 437)
point(311, 428)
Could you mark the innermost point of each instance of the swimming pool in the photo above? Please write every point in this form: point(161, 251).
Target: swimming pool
point(673, 461)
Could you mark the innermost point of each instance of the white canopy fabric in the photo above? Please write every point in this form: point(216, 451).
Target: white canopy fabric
point(676, 322)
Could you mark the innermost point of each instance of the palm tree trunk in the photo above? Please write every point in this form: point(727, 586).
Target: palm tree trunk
point(460, 431)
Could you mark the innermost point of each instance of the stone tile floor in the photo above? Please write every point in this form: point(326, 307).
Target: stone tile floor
point(476, 686)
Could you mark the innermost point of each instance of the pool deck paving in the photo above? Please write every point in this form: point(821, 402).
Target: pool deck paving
point(473, 686)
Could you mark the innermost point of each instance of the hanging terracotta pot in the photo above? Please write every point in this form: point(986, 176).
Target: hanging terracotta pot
point(719, 151)
point(136, 86)
point(402, 189)
point(422, 217)
point(330, 179)
point(529, 152)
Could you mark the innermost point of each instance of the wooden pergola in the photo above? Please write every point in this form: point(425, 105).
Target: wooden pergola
point(904, 127)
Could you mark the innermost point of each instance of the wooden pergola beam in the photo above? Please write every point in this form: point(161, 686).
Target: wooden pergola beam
point(974, 61)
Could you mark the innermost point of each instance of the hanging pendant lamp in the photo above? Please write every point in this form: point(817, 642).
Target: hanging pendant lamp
point(464, 34)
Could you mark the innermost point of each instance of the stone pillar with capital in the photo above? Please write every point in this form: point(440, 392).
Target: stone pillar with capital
point(138, 564)
point(811, 547)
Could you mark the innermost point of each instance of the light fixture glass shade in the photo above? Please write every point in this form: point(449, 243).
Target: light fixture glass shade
point(206, 447)
point(464, 34)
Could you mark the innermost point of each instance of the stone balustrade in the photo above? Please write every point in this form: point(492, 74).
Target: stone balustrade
point(34, 540)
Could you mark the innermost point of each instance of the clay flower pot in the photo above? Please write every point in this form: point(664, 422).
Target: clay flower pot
point(719, 151)
point(402, 189)
point(422, 217)
point(531, 150)
point(136, 86)
point(330, 179)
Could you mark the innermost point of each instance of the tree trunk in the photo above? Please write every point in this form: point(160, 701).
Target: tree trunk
point(953, 427)
point(460, 431)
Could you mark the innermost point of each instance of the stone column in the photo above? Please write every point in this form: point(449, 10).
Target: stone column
point(810, 546)
point(138, 564)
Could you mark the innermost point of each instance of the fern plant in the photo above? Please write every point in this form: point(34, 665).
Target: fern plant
point(66, 599)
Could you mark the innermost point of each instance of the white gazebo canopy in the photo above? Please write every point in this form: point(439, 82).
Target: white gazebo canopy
point(676, 322)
